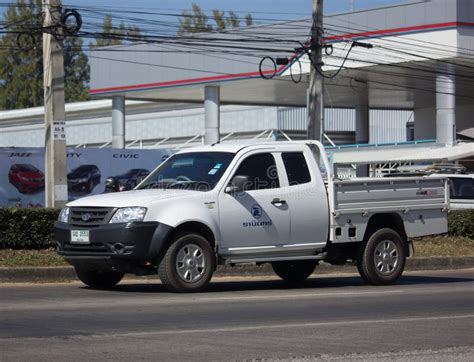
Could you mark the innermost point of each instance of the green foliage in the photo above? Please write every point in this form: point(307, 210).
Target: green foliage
point(115, 35)
point(233, 20)
point(111, 35)
point(21, 71)
point(219, 19)
point(461, 223)
point(27, 228)
point(196, 21)
point(248, 20)
point(76, 70)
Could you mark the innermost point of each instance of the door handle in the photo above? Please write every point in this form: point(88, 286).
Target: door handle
point(277, 201)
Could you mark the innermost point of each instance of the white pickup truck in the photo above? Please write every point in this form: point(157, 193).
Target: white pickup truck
point(249, 203)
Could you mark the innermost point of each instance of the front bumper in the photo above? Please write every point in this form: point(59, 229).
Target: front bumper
point(127, 241)
point(77, 186)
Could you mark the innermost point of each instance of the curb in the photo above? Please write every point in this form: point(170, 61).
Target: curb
point(66, 273)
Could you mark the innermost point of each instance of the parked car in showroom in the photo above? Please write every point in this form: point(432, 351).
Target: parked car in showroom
point(126, 181)
point(26, 178)
point(83, 178)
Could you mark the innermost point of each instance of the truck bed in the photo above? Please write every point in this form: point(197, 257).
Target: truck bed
point(421, 203)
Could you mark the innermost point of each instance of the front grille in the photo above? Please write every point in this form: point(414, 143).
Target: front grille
point(90, 216)
point(89, 248)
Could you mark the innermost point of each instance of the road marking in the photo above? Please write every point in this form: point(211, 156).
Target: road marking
point(292, 296)
point(279, 326)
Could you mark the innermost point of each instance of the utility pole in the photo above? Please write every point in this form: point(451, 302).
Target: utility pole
point(54, 113)
point(315, 103)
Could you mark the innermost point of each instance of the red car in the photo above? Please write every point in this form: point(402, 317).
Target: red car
point(26, 178)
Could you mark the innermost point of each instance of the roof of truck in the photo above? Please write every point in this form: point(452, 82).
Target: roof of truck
point(236, 147)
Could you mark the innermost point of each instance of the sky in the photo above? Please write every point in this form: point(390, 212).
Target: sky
point(284, 9)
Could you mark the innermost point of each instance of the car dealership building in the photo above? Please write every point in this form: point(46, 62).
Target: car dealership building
point(414, 84)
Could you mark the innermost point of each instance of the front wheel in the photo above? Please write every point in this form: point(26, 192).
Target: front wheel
point(90, 186)
point(381, 259)
point(294, 271)
point(188, 264)
point(99, 279)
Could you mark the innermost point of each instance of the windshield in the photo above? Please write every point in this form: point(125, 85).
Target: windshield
point(133, 172)
point(27, 168)
point(462, 188)
point(192, 171)
point(83, 168)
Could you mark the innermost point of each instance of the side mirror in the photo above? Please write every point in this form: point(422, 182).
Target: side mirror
point(112, 184)
point(239, 183)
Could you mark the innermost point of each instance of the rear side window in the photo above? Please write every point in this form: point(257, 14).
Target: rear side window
point(462, 188)
point(296, 168)
point(262, 171)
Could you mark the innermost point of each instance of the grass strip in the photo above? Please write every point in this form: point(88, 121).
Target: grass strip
point(427, 246)
point(19, 258)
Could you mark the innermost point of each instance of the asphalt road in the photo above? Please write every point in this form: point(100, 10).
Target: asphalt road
point(428, 316)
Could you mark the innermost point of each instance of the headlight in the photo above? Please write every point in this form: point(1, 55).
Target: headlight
point(128, 214)
point(64, 215)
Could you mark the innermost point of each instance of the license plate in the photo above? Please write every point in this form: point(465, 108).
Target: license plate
point(80, 237)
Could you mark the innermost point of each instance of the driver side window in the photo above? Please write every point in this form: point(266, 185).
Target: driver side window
point(261, 170)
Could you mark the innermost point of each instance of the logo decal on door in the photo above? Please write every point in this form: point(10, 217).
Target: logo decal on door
point(256, 211)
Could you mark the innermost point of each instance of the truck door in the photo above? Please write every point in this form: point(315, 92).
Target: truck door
point(307, 200)
point(254, 219)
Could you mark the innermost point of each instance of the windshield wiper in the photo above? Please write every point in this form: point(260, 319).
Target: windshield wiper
point(186, 184)
point(155, 185)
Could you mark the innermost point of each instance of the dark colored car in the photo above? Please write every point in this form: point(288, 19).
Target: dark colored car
point(26, 178)
point(83, 178)
point(128, 180)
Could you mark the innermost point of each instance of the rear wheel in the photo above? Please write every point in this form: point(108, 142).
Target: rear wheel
point(381, 259)
point(188, 264)
point(99, 279)
point(294, 271)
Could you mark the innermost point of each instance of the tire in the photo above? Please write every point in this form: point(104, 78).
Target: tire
point(90, 186)
point(21, 188)
point(99, 279)
point(188, 264)
point(381, 259)
point(294, 271)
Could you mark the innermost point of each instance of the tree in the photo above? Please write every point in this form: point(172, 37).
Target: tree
point(248, 20)
point(196, 21)
point(111, 35)
point(21, 70)
point(233, 20)
point(77, 70)
point(219, 19)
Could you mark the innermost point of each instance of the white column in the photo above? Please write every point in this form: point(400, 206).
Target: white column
point(446, 106)
point(362, 126)
point(212, 114)
point(118, 122)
